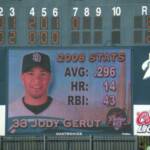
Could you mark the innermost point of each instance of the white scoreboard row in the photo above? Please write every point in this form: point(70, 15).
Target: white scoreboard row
point(76, 11)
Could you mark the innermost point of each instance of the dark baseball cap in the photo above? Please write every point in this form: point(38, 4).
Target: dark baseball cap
point(34, 60)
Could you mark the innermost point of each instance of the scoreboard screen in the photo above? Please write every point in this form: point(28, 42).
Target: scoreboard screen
point(88, 91)
point(74, 23)
point(73, 67)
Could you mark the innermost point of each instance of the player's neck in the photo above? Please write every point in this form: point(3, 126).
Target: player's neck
point(35, 101)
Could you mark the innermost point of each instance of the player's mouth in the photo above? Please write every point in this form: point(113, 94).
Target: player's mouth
point(36, 88)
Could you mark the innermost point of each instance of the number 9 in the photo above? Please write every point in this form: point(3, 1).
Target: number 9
point(98, 11)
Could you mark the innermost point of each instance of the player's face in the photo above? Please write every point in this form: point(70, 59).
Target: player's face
point(36, 82)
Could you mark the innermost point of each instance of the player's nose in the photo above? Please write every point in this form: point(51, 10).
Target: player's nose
point(37, 79)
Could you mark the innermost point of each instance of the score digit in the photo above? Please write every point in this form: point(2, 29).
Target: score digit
point(1, 11)
point(116, 11)
point(32, 11)
point(55, 12)
point(75, 11)
point(12, 11)
point(43, 12)
point(98, 11)
point(86, 12)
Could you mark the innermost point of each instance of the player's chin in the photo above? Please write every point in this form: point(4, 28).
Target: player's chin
point(36, 96)
point(36, 91)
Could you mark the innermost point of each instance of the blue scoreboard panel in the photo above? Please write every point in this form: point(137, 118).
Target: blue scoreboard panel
point(93, 57)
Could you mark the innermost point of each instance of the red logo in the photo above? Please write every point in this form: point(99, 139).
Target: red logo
point(143, 118)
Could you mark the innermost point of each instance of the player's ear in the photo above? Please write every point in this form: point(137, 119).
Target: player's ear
point(50, 77)
point(22, 76)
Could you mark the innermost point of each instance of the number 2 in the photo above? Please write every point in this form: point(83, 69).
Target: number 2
point(1, 11)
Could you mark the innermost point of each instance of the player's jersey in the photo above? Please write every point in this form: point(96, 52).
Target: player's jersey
point(22, 120)
point(56, 109)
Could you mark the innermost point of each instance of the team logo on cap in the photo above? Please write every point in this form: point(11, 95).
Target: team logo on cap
point(36, 57)
point(146, 68)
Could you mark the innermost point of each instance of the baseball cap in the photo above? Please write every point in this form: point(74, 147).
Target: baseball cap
point(34, 60)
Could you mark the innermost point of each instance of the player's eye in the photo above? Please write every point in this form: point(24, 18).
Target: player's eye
point(43, 73)
point(30, 73)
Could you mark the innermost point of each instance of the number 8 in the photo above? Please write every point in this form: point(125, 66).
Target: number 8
point(86, 11)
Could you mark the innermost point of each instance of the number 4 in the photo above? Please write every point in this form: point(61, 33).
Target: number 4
point(32, 11)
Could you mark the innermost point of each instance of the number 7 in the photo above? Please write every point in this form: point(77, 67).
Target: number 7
point(75, 11)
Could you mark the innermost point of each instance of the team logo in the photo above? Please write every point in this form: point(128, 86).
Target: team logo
point(116, 118)
point(146, 68)
point(142, 120)
point(36, 57)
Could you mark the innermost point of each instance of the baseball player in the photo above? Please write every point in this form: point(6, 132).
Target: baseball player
point(36, 77)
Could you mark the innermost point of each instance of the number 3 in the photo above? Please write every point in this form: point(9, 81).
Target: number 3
point(12, 11)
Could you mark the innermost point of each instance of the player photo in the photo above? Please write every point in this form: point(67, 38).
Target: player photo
point(77, 92)
point(35, 75)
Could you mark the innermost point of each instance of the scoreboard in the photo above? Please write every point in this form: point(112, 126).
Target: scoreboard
point(74, 23)
point(96, 53)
